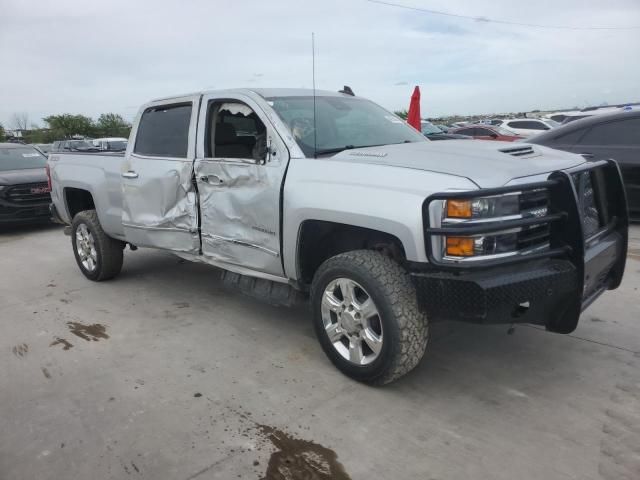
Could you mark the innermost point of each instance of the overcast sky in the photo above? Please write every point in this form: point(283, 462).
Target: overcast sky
point(91, 56)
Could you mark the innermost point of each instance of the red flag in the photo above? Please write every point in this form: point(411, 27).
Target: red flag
point(413, 118)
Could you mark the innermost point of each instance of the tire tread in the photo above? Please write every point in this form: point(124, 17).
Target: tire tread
point(402, 300)
point(110, 250)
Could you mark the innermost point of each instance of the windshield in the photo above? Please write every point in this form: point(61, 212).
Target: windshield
point(18, 158)
point(429, 128)
point(341, 123)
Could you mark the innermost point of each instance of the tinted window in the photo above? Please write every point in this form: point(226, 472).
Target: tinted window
point(164, 131)
point(622, 132)
point(483, 132)
point(528, 124)
point(467, 131)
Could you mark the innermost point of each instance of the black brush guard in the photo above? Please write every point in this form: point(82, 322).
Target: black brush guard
point(550, 287)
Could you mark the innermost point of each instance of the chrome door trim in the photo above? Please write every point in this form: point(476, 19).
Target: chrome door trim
point(230, 267)
point(241, 243)
point(156, 157)
point(169, 229)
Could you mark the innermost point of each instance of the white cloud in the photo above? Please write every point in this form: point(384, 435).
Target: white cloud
point(93, 57)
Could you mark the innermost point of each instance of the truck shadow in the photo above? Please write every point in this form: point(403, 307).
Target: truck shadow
point(27, 228)
point(458, 354)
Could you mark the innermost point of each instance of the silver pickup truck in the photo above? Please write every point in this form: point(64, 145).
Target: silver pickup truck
point(331, 197)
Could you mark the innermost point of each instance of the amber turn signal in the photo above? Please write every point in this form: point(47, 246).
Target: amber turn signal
point(458, 208)
point(460, 246)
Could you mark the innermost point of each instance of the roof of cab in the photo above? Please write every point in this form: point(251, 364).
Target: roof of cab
point(264, 93)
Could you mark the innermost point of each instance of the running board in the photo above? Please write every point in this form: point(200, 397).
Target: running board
point(274, 293)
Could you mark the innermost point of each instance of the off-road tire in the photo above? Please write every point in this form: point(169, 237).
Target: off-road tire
point(109, 250)
point(405, 326)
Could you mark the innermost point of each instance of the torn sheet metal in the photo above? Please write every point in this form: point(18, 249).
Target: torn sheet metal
point(159, 208)
point(240, 205)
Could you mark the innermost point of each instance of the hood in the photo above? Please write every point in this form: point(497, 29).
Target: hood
point(29, 175)
point(487, 164)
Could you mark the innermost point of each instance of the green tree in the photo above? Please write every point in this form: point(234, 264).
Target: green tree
point(112, 125)
point(67, 125)
point(403, 114)
point(2, 135)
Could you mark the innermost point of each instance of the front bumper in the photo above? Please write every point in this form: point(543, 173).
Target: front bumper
point(550, 288)
point(32, 213)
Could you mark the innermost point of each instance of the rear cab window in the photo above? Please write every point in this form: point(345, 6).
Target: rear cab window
point(163, 131)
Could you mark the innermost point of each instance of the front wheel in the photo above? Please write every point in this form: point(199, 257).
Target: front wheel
point(367, 318)
point(98, 255)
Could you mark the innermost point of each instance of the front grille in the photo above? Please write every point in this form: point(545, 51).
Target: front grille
point(591, 219)
point(28, 194)
point(534, 203)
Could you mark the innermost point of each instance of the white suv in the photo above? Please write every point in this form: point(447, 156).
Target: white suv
point(528, 126)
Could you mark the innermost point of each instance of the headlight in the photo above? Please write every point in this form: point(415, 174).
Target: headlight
point(494, 209)
point(483, 207)
point(481, 245)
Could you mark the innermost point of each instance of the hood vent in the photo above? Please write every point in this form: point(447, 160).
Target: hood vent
point(519, 151)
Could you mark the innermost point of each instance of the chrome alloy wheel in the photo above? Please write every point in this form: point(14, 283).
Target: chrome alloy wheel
point(352, 321)
point(86, 248)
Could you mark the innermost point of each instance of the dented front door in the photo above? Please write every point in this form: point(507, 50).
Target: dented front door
point(240, 198)
point(159, 198)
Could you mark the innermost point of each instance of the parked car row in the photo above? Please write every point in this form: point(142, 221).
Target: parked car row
point(486, 132)
point(433, 132)
point(599, 137)
point(112, 144)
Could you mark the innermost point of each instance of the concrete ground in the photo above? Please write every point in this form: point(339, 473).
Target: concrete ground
point(162, 374)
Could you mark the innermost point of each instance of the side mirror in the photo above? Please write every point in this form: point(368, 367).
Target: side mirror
point(494, 135)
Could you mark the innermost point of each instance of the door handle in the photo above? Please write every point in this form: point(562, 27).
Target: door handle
point(211, 179)
point(129, 174)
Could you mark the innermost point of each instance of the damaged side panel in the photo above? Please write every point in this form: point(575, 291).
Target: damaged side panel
point(239, 205)
point(160, 205)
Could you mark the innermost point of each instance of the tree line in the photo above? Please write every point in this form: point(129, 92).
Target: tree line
point(66, 125)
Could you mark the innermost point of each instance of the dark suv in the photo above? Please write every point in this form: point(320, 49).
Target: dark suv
point(24, 188)
point(615, 135)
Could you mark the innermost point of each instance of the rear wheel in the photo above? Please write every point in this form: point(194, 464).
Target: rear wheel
point(98, 255)
point(367, 318)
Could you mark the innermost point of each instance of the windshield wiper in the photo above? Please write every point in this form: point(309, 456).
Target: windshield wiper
point(327, 151)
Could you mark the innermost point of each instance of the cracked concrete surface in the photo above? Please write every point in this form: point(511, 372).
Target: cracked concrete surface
point(174, 377)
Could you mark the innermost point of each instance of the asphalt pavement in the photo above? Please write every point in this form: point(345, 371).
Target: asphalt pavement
point(164, 374)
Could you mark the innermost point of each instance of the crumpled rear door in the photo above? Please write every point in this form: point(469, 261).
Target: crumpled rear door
point(159, 198)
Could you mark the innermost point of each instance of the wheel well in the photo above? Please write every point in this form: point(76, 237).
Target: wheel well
point(319, 240)
point(78, 200)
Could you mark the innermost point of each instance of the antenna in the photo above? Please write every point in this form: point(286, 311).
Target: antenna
point(313, 76)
